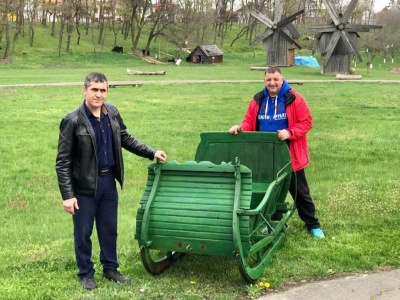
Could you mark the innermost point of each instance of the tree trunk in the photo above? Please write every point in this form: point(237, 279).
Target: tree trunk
point(79, 34)
point(115, 28)
point(151, 36)
point(132, 23)
point(136, 39)
point(101, 23)
point(126, 29)
point(60, 36)
point(70, 28)
point(87, 19)
point(8, 40)
point(31, 34)
point(53, 23)
point(44, 14)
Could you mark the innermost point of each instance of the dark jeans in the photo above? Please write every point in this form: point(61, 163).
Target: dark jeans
point(301, 194)
point(104, 209)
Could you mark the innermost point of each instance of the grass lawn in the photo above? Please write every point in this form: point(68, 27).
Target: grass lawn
point(353, 178)
point(353, 173)
point(74, 67)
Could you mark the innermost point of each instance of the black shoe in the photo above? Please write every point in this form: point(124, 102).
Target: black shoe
point(116, 276)
point(88, 283)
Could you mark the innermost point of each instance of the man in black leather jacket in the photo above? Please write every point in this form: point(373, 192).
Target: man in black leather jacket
point(89, 160)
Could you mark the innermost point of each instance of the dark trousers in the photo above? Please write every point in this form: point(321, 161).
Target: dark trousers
point(301, 194)
point(104, 209)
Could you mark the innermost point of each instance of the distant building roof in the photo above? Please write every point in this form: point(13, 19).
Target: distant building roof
point(211, 50)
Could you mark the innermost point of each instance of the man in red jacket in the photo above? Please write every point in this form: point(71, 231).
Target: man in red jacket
point(279, 108)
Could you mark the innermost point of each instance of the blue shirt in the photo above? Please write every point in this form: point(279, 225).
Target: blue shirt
point(272, 113)
point(103, 132)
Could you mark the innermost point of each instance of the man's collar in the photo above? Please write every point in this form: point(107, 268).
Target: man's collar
point(89, 113)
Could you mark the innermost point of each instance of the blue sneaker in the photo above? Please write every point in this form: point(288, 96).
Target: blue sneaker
point(317, 232)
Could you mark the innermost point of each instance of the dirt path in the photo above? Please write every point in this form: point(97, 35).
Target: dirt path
point(142, 82)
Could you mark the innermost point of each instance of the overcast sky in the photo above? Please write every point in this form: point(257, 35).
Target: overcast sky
point(380, 4)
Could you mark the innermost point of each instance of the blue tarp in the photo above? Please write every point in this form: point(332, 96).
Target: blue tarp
point(306, 61)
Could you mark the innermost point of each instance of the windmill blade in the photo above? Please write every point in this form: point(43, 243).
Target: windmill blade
point(331, 46)
point(323, 28)
point(332, 12)
point(289, 19)
point(361, 28)
point(256, 14)
point(288, 38)
point(261, 37)
point(352, 5)
point(375, 27)
point(349, 43)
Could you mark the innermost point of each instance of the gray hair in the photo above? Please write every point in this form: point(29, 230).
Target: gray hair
point(94, 77)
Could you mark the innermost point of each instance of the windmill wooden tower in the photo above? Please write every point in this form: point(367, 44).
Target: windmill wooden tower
point(276, 39)
point(337, 41)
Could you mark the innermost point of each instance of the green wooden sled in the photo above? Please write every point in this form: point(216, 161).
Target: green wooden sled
point(230, 201)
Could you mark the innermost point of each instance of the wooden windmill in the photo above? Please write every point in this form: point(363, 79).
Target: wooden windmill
point(276, 39)
point(337, 41)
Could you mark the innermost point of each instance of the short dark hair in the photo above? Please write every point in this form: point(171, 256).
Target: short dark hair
point(94, 77)
point(272, 70)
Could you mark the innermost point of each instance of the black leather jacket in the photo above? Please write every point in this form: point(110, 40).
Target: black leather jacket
point(76, 163)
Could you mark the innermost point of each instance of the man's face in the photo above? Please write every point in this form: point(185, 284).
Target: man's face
point(95, 94)
point(273, 83)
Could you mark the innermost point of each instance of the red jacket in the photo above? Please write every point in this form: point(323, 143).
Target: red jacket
point(299, 123)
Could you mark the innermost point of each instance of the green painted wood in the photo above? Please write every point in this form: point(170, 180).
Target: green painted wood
point(194, 201)
point(213, 206)
point(263, 153)
point(146, 212)
point(195, 246)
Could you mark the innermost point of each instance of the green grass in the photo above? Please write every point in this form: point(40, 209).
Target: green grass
point(353, 173)
point(42, 62)
point(235, 67)
point(353, 178)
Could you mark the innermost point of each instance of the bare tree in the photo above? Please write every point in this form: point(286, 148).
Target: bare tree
point(54, 13)
point(394, 4)
point(5, 10)
point(79, 14)
point(220, 15)
point(162, 17)
point(373, 45)
point(390, 19)
point(253, 27)
point(180, 32)
point(46, 11)
point(101, 22)
point(11, 11)
point(66, 8)
point(136, 12)
point(69, 20)
point(31, 11)
point(204, 18)
point(88, 14)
